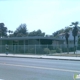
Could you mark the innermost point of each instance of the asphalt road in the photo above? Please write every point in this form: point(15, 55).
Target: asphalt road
point(37, 69)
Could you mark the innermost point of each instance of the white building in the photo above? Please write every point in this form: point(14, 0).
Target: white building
point(71, 38)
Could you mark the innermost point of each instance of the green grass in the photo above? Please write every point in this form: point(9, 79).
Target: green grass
point(65, 54)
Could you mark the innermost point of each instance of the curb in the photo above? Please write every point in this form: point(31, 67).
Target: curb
point(41, 58)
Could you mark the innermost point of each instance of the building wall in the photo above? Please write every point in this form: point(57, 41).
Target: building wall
point(58, 43)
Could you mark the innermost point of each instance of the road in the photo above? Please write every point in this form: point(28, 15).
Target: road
point(37, 69)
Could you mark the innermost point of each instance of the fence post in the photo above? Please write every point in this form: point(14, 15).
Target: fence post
point(35, 49)
point(24, 46)
point(47, 45)
point(28, 48)
point(24, 49)
point(1, 46)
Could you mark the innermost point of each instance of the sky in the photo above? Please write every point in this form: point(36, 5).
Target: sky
point(47, 15)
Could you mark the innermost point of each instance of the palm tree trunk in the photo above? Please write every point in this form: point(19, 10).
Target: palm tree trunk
point(74, 44)
point(67, 49)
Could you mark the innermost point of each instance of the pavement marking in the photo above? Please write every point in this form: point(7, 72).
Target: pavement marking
point(44, 68)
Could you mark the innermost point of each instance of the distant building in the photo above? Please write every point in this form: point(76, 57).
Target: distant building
point(27, 44)
point(71, 38)
point(35, 40)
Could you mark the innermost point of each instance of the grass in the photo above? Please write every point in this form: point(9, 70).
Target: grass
point(54, 54)
point(65, 54)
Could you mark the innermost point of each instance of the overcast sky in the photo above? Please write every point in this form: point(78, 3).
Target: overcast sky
point(47, 15)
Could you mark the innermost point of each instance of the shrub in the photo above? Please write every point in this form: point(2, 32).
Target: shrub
point(64, 49)
point(46, 50)
point(53, 51)
point(31, 50)
point(72, 49)
point(58, 50)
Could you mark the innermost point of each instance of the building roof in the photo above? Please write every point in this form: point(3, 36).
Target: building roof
point(26, 38)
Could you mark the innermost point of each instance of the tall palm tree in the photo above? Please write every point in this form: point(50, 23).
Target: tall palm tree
point(66, 37)
point(75, 33)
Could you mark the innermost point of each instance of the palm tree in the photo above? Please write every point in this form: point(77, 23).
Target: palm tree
point(74, 33)
point(66, 37)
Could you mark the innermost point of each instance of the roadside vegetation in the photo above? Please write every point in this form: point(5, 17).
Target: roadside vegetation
point(22, 31)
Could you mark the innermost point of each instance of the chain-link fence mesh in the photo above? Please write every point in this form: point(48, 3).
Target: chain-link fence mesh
point(37, 49)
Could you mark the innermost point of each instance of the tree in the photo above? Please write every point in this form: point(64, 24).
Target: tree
point(67, 29)
point(21, 31)
point(74, 33)
point(55, 34)
point(61, 31)
point(33, 33)
point(36, 33)
point(9, 31)
point(40, 33)
point(3, 30)
point(66, 37)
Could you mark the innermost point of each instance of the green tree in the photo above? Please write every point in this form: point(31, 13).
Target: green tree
point(9, 31)
point(55, 34)
point(40, 33)
point(67, 29)
point(3, 30)
point(75, 33)
point(21, 31)
point(33, 33)
point(61, 31)
point(36, 33)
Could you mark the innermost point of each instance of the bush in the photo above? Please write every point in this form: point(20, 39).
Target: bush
point(53, 51)
point(31, 50)
point(71, 49)
point(58, 50)
point(78, 47)
point(46, 50)
point(64, 49)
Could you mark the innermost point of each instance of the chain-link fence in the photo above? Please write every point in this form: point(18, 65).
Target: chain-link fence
point(36, 49)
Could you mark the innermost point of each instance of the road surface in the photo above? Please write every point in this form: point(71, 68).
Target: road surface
point(37, 69)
